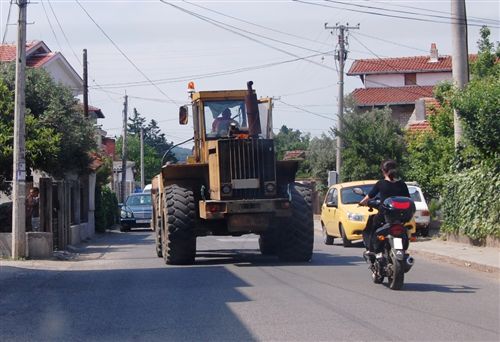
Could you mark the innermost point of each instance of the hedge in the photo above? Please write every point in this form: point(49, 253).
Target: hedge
point(471, 202)
point(106, 213)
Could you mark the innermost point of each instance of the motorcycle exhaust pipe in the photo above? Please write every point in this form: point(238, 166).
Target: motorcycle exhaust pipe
point(409, 263)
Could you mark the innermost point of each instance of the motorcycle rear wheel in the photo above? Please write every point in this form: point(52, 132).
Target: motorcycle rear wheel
point(397, 277)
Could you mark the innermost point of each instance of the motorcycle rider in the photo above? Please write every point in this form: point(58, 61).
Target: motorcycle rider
point(389, 186)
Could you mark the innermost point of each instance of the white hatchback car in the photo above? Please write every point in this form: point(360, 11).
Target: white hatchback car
point(422, 214)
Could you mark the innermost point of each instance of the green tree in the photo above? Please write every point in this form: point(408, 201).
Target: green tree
point(369, 138)
point(485, 65)
point(152, 162)
point(289, 139)
point(322, 152)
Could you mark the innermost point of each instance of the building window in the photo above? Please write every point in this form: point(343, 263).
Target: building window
point(410, 79)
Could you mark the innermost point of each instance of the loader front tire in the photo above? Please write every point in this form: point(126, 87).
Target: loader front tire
point(297, 232)
point(178, 238)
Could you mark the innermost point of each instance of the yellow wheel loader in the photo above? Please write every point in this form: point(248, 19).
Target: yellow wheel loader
point(232, 183)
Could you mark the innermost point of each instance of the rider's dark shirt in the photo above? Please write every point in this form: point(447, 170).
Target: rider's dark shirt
point(385, 189)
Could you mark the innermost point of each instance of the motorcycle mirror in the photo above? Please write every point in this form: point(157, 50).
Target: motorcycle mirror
point(358, 191)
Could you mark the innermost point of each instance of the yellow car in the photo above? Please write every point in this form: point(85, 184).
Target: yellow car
point(342, 217)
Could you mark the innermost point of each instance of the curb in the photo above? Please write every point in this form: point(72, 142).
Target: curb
point(456, 261)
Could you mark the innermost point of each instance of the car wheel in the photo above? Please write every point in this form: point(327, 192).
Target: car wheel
point(425, 231)
point(345, 242)
point(327, 239)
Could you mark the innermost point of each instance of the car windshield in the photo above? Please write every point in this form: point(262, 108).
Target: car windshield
point(139, 200)
point(414, 194)
point(349, 197)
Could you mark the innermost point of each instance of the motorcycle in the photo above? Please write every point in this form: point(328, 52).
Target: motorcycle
point(393, 260)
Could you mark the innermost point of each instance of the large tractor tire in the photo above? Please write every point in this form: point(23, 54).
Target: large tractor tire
point(297, 232)
point(178, 238)
point(268, 241)
point(158, 245)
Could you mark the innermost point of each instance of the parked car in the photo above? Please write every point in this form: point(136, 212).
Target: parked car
point(136, 211)
point(422, 215)
point(342, 217)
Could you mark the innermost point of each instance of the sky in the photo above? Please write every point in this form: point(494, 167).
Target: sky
point(150, 50)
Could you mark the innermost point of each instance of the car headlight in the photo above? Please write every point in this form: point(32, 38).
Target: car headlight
point(126, 214)
point(355, 217)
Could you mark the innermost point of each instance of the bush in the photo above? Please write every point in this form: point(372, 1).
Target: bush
point(471, 202)
point(106, 212)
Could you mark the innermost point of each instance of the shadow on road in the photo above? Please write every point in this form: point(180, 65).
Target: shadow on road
point(422, 287)
point(252, 257)
point(155, 304)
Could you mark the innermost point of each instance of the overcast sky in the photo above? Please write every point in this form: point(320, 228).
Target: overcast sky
point(171, 47)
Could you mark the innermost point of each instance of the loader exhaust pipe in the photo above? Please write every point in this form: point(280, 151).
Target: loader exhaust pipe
point(252, 107)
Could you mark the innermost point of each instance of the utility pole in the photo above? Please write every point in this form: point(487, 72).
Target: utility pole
point(142, 156)
point(460, 58)
point(85, 85)
point(19, 167)
point(341, 55)
point(124, 150)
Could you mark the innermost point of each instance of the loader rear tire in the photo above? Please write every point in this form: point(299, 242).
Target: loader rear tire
point(178, 238)
point(268, 241)
point(297, 232)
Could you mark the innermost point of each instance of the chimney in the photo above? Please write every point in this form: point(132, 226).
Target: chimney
point(434, 57)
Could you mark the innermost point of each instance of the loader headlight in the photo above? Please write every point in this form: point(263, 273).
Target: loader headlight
point(355, 217)
point(270, 187)
point(226, 189)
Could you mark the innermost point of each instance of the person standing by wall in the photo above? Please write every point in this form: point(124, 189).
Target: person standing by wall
point(33, 209)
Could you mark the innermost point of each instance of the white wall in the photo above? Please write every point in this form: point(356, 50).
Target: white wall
point(432, 78)
point(384, 80)
point(58, 70)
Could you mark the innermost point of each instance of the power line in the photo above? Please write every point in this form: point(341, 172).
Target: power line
point(307, 111)
point(390, 42)
point(50, 24)
point(124, 54)
point(379, 14)
point(212, 74)
point(254, 24)
point(392, 10)
point(67, 40)
point(235, 30)
point(7, 23)
point(478, 19)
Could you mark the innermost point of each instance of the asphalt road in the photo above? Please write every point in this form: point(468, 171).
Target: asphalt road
point(118, 290)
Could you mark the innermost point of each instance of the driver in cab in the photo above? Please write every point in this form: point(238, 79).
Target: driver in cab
point(222, 123)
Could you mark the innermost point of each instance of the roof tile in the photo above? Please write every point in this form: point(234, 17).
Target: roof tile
point(390, 95)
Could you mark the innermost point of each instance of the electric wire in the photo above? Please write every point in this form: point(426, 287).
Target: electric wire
point(392, 10)
point(307, 111)
point(211, 74)
point(124, 54)
point(7, 23)
point(68, 42)
point(380, 14)
point(235, 30)
point(392, 4)
point(253, 24)
point(388, 41)
point(50, 25)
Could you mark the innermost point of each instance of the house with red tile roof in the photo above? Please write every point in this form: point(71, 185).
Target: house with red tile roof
point(399, 83)
point(38, 55)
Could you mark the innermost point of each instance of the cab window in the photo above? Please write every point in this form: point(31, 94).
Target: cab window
point(220, 115)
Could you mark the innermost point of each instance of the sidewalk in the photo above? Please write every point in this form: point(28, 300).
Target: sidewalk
point(486, 259)
point(481, 258)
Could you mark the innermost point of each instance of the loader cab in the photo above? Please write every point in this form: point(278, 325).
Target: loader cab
point(222, 115)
